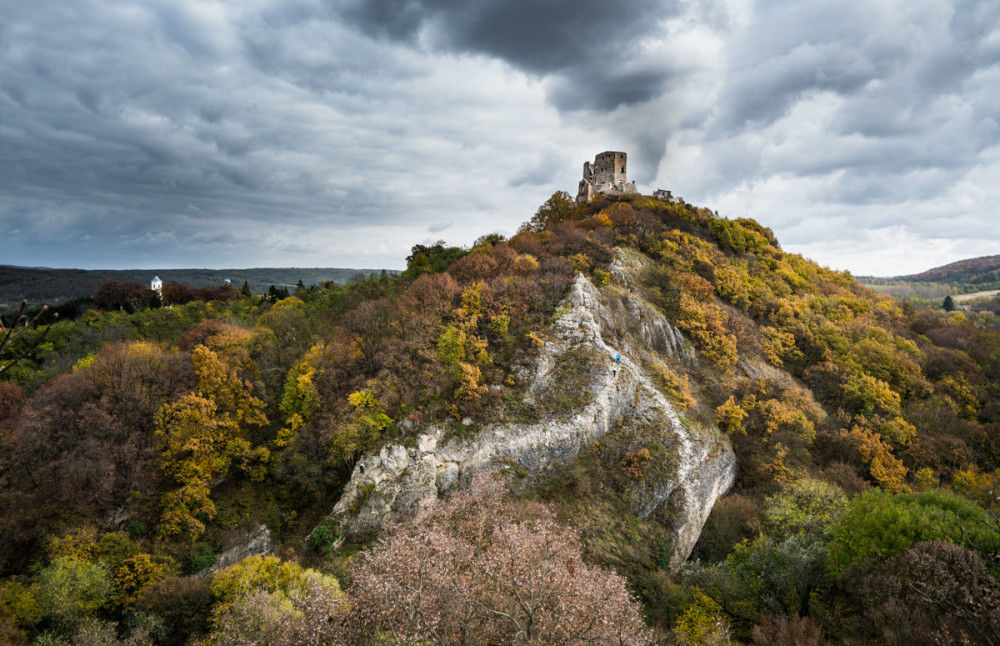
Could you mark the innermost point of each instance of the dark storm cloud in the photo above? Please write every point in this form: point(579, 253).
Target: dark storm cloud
point(588, 45)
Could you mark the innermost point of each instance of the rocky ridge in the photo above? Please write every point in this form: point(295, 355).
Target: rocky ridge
point(399, 484)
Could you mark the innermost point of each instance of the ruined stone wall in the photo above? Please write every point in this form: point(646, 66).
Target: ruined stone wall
point(609, 168)
point(606, 175)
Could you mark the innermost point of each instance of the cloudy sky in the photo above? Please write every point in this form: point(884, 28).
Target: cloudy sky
point(248, 133)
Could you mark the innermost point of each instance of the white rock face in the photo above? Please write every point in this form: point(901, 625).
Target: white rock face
point(258, 542)
point(396, 486)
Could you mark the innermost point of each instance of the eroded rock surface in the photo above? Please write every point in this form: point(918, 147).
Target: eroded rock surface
point(396, 486)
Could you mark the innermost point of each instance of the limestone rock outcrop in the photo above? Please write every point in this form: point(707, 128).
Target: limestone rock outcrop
point(400, 484)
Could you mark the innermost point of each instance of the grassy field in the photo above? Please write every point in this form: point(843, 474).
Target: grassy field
point(961, 298)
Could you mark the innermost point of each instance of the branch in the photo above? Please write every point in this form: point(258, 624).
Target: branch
point(9, 335)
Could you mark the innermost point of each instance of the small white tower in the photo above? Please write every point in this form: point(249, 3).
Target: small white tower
point(156, 285)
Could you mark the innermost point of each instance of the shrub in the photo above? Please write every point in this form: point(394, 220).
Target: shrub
point(880, 524)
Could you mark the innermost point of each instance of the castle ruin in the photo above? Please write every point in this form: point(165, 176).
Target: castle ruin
point(605, 175)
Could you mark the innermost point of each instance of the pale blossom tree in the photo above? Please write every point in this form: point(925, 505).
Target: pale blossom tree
point(475, 573)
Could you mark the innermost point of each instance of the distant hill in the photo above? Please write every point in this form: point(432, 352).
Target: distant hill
point(43, 285)
point(971, 276)
point(975, 271)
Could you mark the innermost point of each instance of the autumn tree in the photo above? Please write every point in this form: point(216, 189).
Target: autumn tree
point(113, 294)
point(370, 323)
point(473, 572)
point(264, 600)
point(203, 432)
point(85, 442)
point(934, 592)
point(363, 428)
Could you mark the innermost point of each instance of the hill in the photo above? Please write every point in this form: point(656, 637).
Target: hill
point(972, 278)
point(44, 285)
point(547, 417)
point(971, 272)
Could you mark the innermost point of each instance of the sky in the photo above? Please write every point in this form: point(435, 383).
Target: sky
point(340, 133)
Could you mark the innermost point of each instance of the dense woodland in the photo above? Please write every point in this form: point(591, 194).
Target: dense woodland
point(59, 286)
point(137, 446)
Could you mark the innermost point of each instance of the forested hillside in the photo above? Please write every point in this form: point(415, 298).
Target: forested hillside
point(136, 449)
point(42, 285)
point(975, 271)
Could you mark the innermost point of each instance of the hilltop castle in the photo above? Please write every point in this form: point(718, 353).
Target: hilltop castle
point(605, 175)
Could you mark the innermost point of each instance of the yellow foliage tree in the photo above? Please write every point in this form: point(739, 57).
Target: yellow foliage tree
point(705, 325)
point(300, 399)
point(729, 416)
point(268, 574)
point(883, 466)
point(202, 433)
point(133, 576)
point(363, 429)
point(984, 488)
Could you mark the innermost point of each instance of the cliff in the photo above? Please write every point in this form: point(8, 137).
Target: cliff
point(695, 466)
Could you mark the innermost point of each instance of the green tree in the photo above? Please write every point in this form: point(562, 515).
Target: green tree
point(948, 304)
point(763, 577)
point(555, 209)
point(431, 260)
point(880, 524)
point(70, 589)
point(804, 506)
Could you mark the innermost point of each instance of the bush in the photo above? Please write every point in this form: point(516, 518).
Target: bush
point(70, 589)
point(880, 524)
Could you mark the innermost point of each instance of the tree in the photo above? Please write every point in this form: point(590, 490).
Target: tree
point(948, 304)
point(175, 293)
point(764, 577)
point(431, 260)
point(70, 589)
point(473, 573)
point(113, 294)
point(8, 335)
point(370, 323)
point(202, 433)
point(362, 430)
point(932, 593)
point(881, 524)
point(264, 600)
point(805, 506)
point(558, 207)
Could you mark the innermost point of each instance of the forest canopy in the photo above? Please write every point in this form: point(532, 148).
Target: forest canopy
point(138, 444)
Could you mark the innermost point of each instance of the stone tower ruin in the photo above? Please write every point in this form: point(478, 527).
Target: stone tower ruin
point(605, 175)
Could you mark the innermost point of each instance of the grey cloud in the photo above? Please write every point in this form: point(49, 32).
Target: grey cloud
point(763, 93)
point(586, 44)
